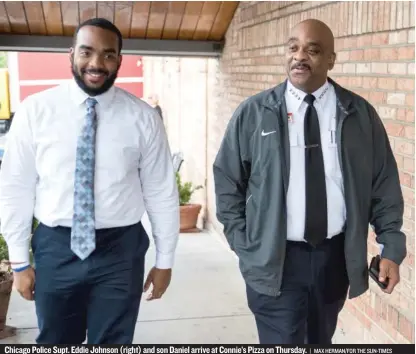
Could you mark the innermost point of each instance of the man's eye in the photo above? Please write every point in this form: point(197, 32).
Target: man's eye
point(84, 53)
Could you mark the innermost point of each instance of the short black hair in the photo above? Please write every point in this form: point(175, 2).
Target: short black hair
point(104, 24)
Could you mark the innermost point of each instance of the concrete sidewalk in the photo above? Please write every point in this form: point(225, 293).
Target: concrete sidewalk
point(205, 303)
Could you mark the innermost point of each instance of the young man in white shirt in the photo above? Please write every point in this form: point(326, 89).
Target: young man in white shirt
point(87, 159)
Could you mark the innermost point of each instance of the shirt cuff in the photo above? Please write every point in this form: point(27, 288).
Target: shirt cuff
point(164, 261)
point(19, 255)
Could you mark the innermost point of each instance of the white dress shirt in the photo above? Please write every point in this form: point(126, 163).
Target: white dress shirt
point(134, 171)
point(325, 105)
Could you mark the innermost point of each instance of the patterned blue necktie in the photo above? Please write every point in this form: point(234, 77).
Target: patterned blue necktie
point(83, 225)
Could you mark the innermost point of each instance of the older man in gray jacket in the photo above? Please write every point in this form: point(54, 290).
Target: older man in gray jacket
point(302, 171)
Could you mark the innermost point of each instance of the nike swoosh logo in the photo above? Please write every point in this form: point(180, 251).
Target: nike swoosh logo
point(268, 133)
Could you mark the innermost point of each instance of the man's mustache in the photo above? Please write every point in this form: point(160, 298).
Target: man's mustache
point(300, 66)
point(94, 71)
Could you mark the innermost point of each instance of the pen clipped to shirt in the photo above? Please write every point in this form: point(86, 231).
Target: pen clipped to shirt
point(333, 129)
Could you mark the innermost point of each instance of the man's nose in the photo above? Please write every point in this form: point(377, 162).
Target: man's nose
point(96, 62)
point(300, 56)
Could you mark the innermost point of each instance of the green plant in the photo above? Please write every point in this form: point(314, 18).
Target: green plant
point(4, 251)
point(185, 190)
point(3, 60)
point(35, 224)
point(5, 269)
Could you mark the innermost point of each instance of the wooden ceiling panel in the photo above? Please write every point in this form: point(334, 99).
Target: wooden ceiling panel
point(87, 9)
point(122, 16)
point(157, 16)
point(53, 18)
point(4, 19)
point(206, 20)
point(186, 20)
point(17, 17)
point(190, 19)
point(140, 19)
point(223, 20)
point(34, 17)
point(105, 9)
point(173, 19)
point(70, 17)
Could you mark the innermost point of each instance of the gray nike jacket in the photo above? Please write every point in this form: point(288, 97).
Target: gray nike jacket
point(251, 175)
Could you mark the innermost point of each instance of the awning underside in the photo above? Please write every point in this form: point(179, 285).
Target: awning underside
point(149, 27)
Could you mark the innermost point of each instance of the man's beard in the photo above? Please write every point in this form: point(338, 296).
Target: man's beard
point(93, 91)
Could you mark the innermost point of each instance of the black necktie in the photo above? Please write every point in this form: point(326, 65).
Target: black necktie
point(316, 223)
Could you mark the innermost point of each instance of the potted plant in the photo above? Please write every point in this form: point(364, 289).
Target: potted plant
point(6, 285)
point(188, 211)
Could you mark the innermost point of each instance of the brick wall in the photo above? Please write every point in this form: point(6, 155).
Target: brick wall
point(375, 46)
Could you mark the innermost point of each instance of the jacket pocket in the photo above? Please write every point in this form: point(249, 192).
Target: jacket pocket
point(249, 220)
point(239, 239)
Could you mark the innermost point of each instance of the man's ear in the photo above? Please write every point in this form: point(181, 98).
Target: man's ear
point(332, 60)
point(120, 60)
point(71, 53)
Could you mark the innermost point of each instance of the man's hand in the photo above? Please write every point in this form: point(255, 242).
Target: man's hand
point(389, 272)
point(24, 282)
point(160, 278)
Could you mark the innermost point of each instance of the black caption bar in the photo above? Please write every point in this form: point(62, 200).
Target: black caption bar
point(206, 349)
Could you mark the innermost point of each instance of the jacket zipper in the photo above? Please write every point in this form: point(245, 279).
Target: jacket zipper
point(338, 137)
point(340, 124)
point(249, 198)
point(287, 147)
point(339, 148)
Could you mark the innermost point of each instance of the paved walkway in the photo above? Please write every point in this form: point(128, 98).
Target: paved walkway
point(205, 303)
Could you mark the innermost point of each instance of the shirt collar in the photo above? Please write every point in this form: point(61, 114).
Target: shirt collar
point(297, 96)
point(79, 96)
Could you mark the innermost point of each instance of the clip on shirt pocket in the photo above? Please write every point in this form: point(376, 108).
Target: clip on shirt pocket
point(293, 137)
point(332, 133)
point(332, 139)
point(334, 166)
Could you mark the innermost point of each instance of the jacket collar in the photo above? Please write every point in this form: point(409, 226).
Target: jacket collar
point(344, 97)
point(296, 96)
point(276, 96)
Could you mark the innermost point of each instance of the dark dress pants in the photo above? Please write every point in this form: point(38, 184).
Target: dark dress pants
point(314, 290)
point(99, 296)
